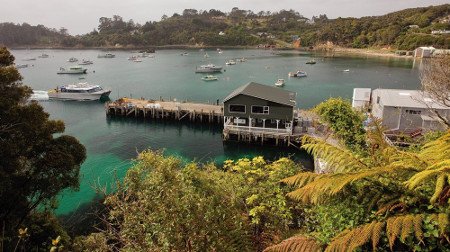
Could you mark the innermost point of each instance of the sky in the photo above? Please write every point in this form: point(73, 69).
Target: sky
point(81, 16)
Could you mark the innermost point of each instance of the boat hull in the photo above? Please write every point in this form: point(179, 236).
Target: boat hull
point(78, 96)
point(84, 71)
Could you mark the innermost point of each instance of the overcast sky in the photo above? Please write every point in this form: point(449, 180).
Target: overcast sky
point(82, 16)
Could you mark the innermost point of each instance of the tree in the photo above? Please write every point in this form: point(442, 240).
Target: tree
point(35, 165)
point(406, 194)
point(435, 78)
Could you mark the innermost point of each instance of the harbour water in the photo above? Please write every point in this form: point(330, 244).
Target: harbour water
point(113, 143)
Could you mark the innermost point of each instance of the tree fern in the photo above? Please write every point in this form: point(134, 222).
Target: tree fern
point(296, 244)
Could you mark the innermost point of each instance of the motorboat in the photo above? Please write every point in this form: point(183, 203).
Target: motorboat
point(106, 55)
point(133, 57)
point(72, 70)
point(44, 55)
point(184, 54)
point(209, 78)
point(86, 62)
point(29, 59)
point(209, 68)
point(230, 62)
point(311, 62)
point(79, 92)
point(298, 74)
point(72, 60)
point(241, 60)
point(39, 95)
point(346, 70)
point(21, 66)
point(137, 60)
point(279, 83)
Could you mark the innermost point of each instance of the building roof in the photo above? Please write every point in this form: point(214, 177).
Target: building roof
point(361, 94)
point(273, 94)
point(406, 98)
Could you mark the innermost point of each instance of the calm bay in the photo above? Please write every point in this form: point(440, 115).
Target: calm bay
point(112, 143)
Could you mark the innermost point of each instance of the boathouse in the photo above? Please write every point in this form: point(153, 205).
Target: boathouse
point(407, 110)
point(259, 108)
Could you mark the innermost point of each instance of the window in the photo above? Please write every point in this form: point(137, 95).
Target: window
point(234, 108)
point(378, 100)
point(413, 112)
point(260, 109)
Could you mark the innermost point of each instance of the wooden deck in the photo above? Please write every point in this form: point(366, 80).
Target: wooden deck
point(201, 112)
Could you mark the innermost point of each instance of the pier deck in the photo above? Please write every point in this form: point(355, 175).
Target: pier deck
point(165, 110)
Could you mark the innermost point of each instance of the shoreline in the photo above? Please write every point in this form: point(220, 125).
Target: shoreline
point(332, 52)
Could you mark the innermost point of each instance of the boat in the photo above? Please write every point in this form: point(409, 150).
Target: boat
point(137, 60)
point(311, 62)
point(44, 55)
point(21, 66)
point(133, 57)
point(184, 54)
point(279, 83)
point(209, 78)
point(346, 70)
point(241, 60)
point(72, 70)
point(79, 92)
point(29, 59)
point(297, 74)
point(206, 55)
point(106, 55)
point(86, 62)
point(210, 68)
point(39, 95)
point(72, 59)
point(230, 62)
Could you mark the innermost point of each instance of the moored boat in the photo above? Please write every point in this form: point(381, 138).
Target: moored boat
point(39, 95)
point(44, 55)
point(210, 68)
point(209, 78)
point(297, 74)
point(21, 65)
point(72, 59)
point(279, 83)
point(311, 62)
point(79, 92)
point(230, 63)
point(72, 70)
point(86, 62)
point(106, 55)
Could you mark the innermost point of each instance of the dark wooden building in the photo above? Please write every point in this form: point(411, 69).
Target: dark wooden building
point(260, 107)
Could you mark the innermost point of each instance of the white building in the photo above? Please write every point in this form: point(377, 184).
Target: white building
point(424, 52)
point(361, 98)
point(407, 110)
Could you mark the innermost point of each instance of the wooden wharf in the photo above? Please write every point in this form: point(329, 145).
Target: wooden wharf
point(210, 114)
point(164, 110)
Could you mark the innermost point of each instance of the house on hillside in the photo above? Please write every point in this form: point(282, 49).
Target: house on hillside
point(407, 110)
point(361, 98)
point(424, 52)
point(259, 108)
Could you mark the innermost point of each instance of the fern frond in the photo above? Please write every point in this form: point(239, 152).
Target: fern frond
point(436, 169)
point(350, 240)
point(417, 221)
point(440, 183)
point(338, 159)
point(443, 222)
point(393, 229)
point(438, 149)
point(301, 179)
point(296, 244)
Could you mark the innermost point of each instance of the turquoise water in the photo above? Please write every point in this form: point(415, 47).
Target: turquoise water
point(113, 143)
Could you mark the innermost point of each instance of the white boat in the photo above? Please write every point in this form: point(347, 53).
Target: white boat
point(79, 92)
point(210, 68)
point(209, 78)
point(241, 60)
point(29, 59)
point(86, 62)
point(72, 59)
point(346, 70)
point(133, 57)
point(137, 60)
point(230, 63)
point(206, 55)
point(72, 70)
point(39, 95)
point(184, 54)
point(279, 83)
point(106, 55)
point(44, 55)
point(297, 74)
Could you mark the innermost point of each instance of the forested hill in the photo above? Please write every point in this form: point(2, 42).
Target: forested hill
point(404, 29)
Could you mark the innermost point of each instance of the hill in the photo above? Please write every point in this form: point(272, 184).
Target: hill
point(406, 29)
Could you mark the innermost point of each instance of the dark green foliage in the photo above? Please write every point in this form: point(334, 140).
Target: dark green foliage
point(34, 165)
point(345, 122)
point(241, 26)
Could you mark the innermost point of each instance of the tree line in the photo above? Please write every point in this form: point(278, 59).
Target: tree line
point(406, 29)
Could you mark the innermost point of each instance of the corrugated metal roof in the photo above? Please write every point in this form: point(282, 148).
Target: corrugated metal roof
point(405, 98)
point(273, 94)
